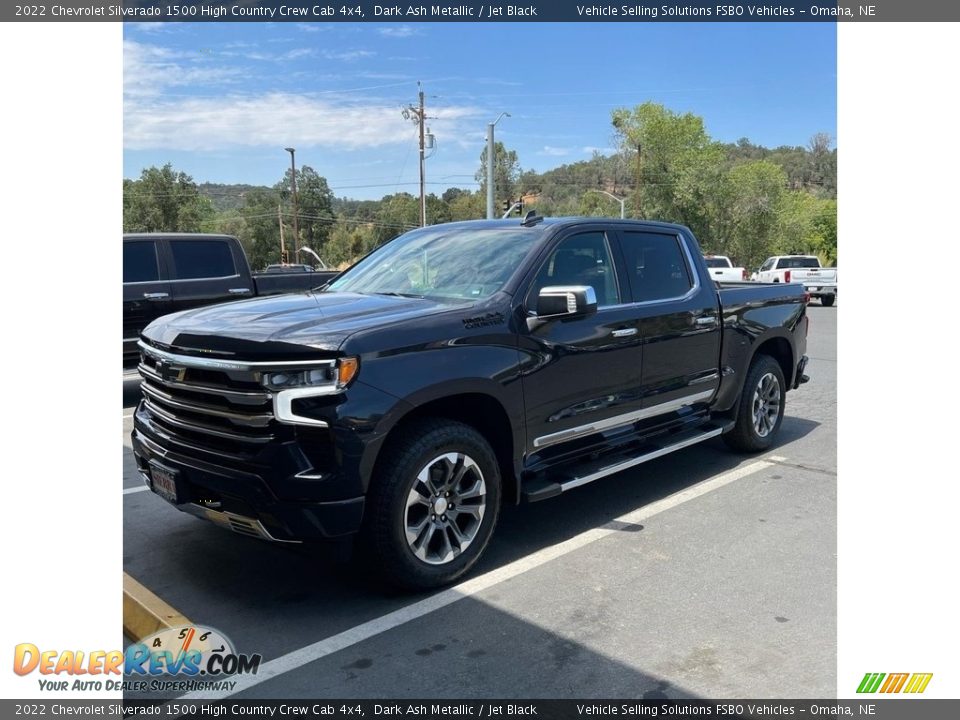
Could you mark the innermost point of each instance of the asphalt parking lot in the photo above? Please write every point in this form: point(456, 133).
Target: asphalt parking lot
point(704, 573)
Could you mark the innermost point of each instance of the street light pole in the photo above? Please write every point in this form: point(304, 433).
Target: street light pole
point(611, 195)
point(296, 212)
point(490, 162)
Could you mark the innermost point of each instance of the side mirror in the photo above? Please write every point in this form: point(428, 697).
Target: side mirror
point(566, 300)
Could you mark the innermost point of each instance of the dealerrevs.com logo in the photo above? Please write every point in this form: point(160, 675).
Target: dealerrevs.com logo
point(173, 660)
point(911, 683)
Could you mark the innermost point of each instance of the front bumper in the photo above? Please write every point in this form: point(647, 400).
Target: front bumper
point(246, 497)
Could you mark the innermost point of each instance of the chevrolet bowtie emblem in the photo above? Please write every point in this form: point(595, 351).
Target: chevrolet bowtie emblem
point(170, 372)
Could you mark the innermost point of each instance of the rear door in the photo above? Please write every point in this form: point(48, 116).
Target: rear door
point(146, 292)
point(678, 320)
point(204, 271)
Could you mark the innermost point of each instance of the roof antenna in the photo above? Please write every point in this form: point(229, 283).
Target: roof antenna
point(531, 219)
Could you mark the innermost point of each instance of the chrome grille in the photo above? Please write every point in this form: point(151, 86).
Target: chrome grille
point(214, 405)
point(226, 409)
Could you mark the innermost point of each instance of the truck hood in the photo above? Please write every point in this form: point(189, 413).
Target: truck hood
point(321, 321)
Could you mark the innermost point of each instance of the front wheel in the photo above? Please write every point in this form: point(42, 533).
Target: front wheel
point(760, 408)
point(433, 504)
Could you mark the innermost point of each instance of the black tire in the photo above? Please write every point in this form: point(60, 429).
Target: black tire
point(420, 449)
point(754, 433)
point(827, 300)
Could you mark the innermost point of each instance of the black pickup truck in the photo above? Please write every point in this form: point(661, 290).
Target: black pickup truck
point(456, 368)
point(167, 272)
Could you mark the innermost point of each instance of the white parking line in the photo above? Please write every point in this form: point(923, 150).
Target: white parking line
point(364, 631)
point(130, 491)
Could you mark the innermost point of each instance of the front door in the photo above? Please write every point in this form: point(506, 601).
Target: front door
point(580, 375)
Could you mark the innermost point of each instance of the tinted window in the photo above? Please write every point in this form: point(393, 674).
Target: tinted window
point(717, 262)
point(657, 267)
point(140, 262)
point(767, 265)
point(798, 262)
point(581, 260)
point(201, 259)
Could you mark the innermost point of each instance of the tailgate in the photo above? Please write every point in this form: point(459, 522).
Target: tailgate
point(813, 276)
point(726, 274)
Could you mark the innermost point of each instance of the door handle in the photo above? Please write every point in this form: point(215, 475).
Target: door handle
point(156, 296)
point(624, 332)
point(706, 321)
point(239, 291)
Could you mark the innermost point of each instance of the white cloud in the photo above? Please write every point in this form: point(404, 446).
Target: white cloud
point(399, 31)
point(347, 55)
point(213, 123)
point(554, 151)
point(591, 149)
point(149, 69)
point(214, 116)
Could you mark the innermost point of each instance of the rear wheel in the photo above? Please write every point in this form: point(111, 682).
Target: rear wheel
point(433, 505)
point(760, 408)
point(827, 300)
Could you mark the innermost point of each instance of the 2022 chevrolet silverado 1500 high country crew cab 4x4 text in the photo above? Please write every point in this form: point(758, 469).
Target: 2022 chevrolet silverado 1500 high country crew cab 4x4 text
point(455, 368)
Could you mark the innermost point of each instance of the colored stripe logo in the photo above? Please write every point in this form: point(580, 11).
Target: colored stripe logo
point(894, 682)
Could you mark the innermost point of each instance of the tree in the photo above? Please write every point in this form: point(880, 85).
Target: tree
point(468, 206)
point(314, 204)
point(398, 213)
point(164, 200)
point(260, 234)
point(756, 194)
point(678, 167)
point(506, 173)
point(347, 244)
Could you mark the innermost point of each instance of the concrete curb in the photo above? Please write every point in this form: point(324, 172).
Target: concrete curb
point(144, 613)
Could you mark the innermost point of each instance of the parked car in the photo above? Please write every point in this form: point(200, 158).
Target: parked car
point(457, 368)
point(721, 269)
point(820, 282)
point(167, 272)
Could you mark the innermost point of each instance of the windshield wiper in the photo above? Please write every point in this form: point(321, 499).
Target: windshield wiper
point(400, 294)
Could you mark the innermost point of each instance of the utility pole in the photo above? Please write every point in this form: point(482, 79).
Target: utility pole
point(639, 179)
point(283, 249)
point(296, 212)
point(423, 192)
point(418, 114)
point(491, 160)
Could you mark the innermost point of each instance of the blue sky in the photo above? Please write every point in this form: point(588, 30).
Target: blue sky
point(221, 100)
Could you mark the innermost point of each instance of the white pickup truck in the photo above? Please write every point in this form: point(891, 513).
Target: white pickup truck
point(819, 281)
point(722, 270)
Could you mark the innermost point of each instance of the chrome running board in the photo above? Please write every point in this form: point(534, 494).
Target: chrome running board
point(583, 474)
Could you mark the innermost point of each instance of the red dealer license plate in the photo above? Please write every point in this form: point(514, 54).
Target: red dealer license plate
point(163, 481)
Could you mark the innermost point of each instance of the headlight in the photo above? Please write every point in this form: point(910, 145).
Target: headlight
point(335, 376)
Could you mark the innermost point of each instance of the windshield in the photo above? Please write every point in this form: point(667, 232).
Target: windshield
point(443, 262)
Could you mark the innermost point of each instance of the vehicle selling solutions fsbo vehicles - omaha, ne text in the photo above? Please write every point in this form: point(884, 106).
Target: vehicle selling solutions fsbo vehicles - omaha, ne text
point(166, 272)
point(457, 367)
